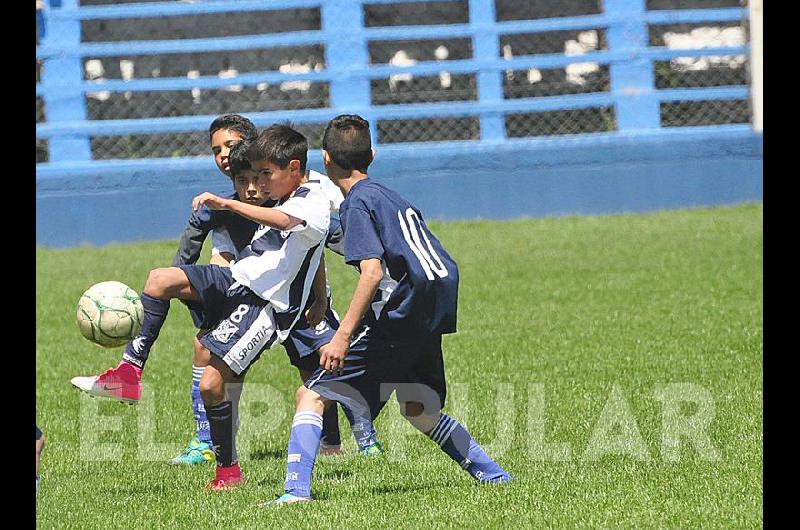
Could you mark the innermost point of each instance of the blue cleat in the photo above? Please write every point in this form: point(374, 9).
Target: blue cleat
point(196, 452)
point(286, 498)
point(500, 479)
point(371, 450)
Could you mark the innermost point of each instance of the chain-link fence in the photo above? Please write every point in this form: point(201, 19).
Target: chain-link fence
point(576, 77)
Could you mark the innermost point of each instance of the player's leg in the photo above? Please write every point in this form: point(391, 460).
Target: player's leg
point(39, 448)
point(199, 449)
point(235, 344)
point(304, 442)
point(192, 283)
point(330, 443)
point(216, 376)
point(421, 399)
point(302, 347)
point(162, 285)
point(353, 389)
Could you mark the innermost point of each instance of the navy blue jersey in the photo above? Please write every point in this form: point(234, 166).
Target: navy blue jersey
point(418, 295)
point(203, 221)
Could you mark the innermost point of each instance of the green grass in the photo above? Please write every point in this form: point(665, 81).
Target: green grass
point(592, 312)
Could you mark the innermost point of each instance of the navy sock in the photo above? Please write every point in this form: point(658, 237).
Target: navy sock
point(362, 428)
point(330, 426)
point(199, 408)
point(220, 419)
point(302, 452)
point(155, 313)
point(457, 443)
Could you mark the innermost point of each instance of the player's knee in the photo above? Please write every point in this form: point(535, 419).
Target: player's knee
point(416, 415)
point(307, 399)
point(300, 395)
point(157, 283)
point(212, 389)
point(40, 444)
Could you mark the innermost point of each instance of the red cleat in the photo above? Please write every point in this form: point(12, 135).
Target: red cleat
point(226, 478)
point(123, 383)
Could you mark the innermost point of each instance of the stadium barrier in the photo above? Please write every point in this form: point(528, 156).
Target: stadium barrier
point(479, 108)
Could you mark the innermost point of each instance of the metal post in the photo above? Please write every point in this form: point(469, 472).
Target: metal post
point(346, 52)
point(632, 81)
point(61, 79)
point(757, 63)
point(486, 48)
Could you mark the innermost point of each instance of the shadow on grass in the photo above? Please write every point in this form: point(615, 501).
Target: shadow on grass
point(268, 454)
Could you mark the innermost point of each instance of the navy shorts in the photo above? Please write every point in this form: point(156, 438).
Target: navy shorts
point(240, 324)
point(38, 432)
point(375, 367)
point(304, 341)
point(212, 283)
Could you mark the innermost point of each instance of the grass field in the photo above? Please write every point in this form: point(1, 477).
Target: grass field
point(599, 316)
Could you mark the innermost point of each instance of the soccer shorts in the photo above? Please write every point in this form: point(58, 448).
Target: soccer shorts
point(38, 432)
point(247, 329)
point(375, 367)
point(304, 341)
point(212, 283)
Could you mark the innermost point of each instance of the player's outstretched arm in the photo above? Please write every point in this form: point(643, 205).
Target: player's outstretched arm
point(260, 214)
point(332, 354)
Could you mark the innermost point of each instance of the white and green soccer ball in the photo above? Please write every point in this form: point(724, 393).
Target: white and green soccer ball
point(110, 314)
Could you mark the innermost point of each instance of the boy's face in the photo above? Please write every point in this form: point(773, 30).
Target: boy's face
point(221, 142)
point(279, 181)
point(249, 187)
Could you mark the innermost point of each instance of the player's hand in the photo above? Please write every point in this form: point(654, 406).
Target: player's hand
point(331, 356)
point(210, 200)
point(316, 312)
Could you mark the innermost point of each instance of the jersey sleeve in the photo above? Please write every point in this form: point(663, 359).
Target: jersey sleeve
point(361, 239)
point(335, 239)
point(222, 242)
point(191, 241)
point(312, 208)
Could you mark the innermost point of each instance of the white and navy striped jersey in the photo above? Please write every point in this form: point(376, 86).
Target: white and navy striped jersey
point(223, 242)
point(418, 294)
point(279, 265)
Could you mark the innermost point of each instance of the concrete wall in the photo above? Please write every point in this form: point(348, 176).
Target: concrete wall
point(98, 202)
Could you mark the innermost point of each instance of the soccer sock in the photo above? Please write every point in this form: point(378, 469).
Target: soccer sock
point(155, 313)
point(303, 447)
point(233, 393)
point(330, 426)
point(198, 407)
point(454, 440)
point(220, 419)
point(362, 428)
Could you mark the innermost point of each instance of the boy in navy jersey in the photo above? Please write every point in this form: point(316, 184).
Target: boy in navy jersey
point(248, 307)
point(391, 336)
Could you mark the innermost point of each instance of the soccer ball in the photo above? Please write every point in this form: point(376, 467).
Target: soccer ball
point(110, 314)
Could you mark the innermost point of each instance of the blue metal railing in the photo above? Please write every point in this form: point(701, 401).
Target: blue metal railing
point(345, 40)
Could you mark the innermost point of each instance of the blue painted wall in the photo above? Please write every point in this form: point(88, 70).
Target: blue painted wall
point(141, 200)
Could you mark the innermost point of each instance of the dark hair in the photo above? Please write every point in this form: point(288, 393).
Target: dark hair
point(237, 158)
point(279, 144)
point(233, 122)
point(347, 141)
